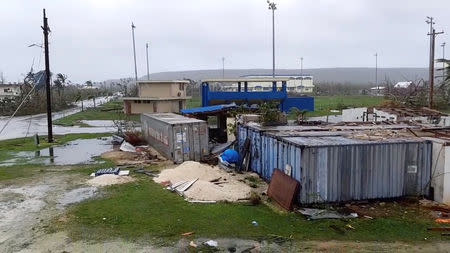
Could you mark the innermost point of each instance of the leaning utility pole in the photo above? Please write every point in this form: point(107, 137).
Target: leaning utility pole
point(443, 61)
point(134, 52)
point(46, 30)
point(432, 35)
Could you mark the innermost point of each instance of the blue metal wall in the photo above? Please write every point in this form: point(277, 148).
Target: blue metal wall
point(352, 171)
point(222, 97)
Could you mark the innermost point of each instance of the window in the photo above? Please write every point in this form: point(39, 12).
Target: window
point(181, 86)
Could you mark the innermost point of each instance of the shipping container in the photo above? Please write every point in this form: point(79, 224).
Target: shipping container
point(332, 168)
point(176, 137)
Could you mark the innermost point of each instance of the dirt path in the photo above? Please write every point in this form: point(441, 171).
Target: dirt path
point(27, 207)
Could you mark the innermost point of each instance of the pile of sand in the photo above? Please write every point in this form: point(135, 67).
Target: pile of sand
point(109, 179)
point(203, 189)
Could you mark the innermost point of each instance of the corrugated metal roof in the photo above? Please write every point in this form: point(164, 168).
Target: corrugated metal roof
point(342, 140)
point(209, 109)
point(171, 118)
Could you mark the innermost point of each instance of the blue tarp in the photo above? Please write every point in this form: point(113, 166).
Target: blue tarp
point(208, 109)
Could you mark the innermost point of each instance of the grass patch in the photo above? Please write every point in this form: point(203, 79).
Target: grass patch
point(143, 210)
point(323, 104)
point(112, 110)
point(194, 102)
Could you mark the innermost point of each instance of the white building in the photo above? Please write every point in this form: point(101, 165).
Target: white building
point(9, 90)
point(295, 83)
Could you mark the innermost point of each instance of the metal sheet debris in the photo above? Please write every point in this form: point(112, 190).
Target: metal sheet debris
point(317, 214)
point(283, 189)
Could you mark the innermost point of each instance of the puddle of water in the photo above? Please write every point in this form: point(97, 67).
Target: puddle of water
point(80, 151)
point(77, 195)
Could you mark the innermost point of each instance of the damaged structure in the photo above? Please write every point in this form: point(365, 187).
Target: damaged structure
point(345, 162)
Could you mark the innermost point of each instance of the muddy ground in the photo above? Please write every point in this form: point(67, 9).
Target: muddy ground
point(28, 206)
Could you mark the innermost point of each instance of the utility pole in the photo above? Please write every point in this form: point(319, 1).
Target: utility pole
point(301, 72)
point(273, 7)
point(46, 30)
point(223, 67)
point(443, 61)
point(134, 52)
point(376, 70)
point(432, 35)
point(148, 72)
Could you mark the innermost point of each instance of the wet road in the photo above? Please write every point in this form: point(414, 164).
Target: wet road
point(24, 126)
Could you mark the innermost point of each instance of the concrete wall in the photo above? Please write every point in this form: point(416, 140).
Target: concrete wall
point(354, 114)
point(160, 106)
point(381, 115)
point(161, 89)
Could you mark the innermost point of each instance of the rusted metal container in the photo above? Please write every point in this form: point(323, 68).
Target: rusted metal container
point(176, 137)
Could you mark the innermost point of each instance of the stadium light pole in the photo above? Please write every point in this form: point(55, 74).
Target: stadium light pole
point(146, 51)
point(273, 7)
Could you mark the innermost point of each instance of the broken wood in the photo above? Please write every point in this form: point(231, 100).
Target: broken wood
point(439, 229)
point(215, 179)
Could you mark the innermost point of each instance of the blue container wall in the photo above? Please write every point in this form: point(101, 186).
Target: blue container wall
point(344, 172)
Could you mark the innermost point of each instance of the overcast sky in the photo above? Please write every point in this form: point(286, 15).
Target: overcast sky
point(91, 39)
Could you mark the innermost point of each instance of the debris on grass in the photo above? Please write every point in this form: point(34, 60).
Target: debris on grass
point(109, 179)
point(317, 214)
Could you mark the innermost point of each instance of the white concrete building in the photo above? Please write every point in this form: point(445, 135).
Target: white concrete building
point(295, 83)
point(9, 90)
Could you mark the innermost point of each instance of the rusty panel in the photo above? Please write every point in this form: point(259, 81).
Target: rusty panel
point(283, 189)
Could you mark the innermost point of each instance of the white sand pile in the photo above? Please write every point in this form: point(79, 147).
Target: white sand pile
point(109, 179)
point(232, 190)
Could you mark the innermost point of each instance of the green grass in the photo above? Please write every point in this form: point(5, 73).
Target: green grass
point(143, 210)
point(323, 104)
point(112, 110)
point(194, 102)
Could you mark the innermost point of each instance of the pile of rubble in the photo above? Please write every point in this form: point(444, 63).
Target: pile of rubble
point(131, 155)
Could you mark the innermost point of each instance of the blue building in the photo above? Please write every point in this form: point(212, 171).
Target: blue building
point(225, 91)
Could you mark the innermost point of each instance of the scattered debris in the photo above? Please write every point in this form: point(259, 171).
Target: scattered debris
point(368, 217)
point(127, 147)
point(146, 172)
point(210, 159)
point(188, 233)
point(192, 244)
point(443, 221)
point(117, 140)
point(114, 171)
point(255, 223)
point(109, 179)
point(349, 226)
point(283, 189)
point(439, 229)
point(221, 147)
point(317, 214)
point(211, 243)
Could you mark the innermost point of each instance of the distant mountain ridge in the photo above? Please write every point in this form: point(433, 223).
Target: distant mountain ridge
point(321, 75)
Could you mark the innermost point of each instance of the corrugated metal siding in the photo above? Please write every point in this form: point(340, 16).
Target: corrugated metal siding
point(352, 171)
point(176, 140)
